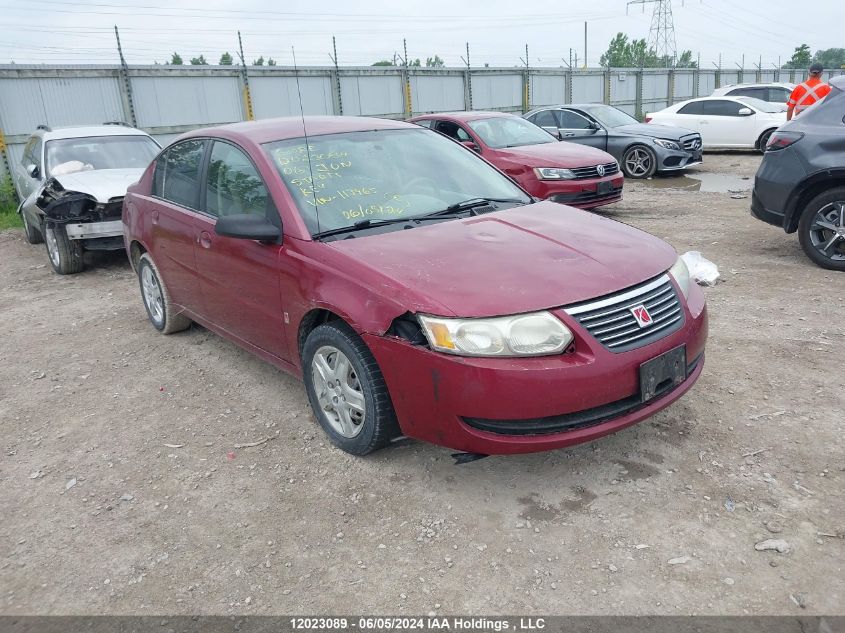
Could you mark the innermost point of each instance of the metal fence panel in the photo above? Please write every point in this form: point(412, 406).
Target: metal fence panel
point(706, 83)
point(684, 82)
point(28, 102)
point(279, 96)
point(496, 91)
point(623, 86)
point(180, 100)
point(749, 77)
point(655, 85)
point(548, 89)
point(767, 76)
point(587, 88)
point(437, 93)
point(372, 95)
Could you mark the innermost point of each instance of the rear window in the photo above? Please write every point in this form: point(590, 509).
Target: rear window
point(696, 107)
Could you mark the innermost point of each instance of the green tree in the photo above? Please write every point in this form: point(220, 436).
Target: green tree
point(384, 62)
point(801, 58)
point(259, 61)
point(271, 62)
point(415, 63)
point(199, 61)
point(434, 62)
point(225, 59)
point(685, 60)
point(830, 57)
point(176, 59)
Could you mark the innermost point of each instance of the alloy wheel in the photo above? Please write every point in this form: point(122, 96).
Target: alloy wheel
point(152, 295)
point(339, 391)
point(638, 162)
point(827, 231)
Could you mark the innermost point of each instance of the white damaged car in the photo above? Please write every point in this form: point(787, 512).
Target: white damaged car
point(72, 182)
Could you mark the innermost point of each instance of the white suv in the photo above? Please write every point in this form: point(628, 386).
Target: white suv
point(771, 92)
point(72, 182)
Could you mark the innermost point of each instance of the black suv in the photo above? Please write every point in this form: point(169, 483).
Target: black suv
point(800, 185)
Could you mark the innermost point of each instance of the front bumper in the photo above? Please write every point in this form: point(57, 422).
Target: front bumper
point(88, 230)
point(440, 398)
point(674, 160)
point(584, 193)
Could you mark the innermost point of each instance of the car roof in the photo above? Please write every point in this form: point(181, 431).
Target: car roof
point(472, 115)
point(84, 131)
point(764, 84)
point(283, 128)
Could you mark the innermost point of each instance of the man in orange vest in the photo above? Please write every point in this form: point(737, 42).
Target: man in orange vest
point(808, 93)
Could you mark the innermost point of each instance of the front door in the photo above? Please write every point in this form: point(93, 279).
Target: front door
point(239, 279)
point(574, 126)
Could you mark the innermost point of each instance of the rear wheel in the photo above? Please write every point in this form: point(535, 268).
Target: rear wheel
point(160, 308)
point(639, 161)
point(821, 230)
point(764, 139)
point(33, 235)
point(347, 390)
point(65, 254)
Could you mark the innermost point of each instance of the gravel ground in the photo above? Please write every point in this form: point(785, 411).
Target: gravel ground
point(124, 492)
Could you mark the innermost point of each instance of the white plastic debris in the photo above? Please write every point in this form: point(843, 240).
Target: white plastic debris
point(702, 271)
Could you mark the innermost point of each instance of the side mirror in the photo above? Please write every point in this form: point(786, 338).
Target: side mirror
point(745, 112)
point(471, 145)
point(247, 226)
point(33, 171)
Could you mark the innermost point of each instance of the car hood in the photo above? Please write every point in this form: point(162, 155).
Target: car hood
point(102, 184)
point(654, 131)
point(536, 257)
point(561, 154)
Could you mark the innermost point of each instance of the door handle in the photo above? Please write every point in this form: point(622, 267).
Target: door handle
point(569, 134)
point(154, 215)
point(204, 239)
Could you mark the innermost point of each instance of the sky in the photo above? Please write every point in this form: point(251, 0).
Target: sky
point(497, 31)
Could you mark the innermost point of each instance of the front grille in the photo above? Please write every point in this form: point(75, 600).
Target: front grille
point(593, 172)
point(576, 420)
point(692, 143)
point(610, 321)
point(587, 197)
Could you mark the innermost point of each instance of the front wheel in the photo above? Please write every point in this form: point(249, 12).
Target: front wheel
point(346, 390)
point(33, 235)
point(639, 161)
point(65, 254)
point(821, 230)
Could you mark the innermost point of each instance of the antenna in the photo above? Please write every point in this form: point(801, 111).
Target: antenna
point(305, 134)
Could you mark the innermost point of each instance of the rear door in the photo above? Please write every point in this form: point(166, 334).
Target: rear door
point(174, 218)
point(239, 279)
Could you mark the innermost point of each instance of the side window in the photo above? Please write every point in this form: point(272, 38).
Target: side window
point(233, 184)
point(546, 118)
point(453, 130)
point(424, 123)
point(720, 107)
point(37, 148)
point(778, 95)
point(177, 173)
point(694, 107)
point(26, 158)
point(573, 121)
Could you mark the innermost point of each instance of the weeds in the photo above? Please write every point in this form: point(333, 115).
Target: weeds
point(9, 217)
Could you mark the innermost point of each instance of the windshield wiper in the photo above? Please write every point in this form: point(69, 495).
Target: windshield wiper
point(366, 224)
point(469, 205)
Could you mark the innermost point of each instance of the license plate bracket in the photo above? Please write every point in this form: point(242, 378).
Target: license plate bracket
point(604, 188)
point(665, 371)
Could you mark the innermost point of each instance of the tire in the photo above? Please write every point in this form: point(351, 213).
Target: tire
point(639, 161)
point(65, 254)
point(33, 235)
point(160, 309)
point(823, 224)
point(764, 138)
point(358, 424)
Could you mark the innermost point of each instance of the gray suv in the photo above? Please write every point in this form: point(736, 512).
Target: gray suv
point(800, 185)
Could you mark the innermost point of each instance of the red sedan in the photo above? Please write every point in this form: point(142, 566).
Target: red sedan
point(413, 287)
point(548, 169)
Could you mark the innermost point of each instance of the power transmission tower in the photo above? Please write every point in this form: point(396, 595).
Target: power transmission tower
point(661, 37)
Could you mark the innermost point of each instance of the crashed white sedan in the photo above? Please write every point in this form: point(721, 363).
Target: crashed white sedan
point(72, 182)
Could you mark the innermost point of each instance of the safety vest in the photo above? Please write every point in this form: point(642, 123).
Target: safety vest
point(807, 94)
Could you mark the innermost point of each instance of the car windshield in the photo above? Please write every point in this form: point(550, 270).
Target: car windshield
point(763, 106)
point(68, 155)
point(509, 131)
point(339, 180)
point(609, 116)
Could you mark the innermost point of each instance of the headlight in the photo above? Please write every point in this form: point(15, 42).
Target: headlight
point(666, 144)
point(536, 334)
point(681, 274)
point(553, 173)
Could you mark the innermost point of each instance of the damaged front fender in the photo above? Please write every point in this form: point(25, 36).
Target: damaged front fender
point(61, 206)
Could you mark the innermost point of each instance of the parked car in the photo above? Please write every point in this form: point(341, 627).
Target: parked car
point(775, 92)
point(413, 287)
point(71, 182)
point(725, 122)
point(578, 176)
point(800, 185)
point(642, 150)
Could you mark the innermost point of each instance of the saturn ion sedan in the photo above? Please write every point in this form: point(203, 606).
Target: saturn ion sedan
point(414, 288)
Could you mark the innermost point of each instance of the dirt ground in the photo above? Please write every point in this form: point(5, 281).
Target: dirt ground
point(100, 515)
